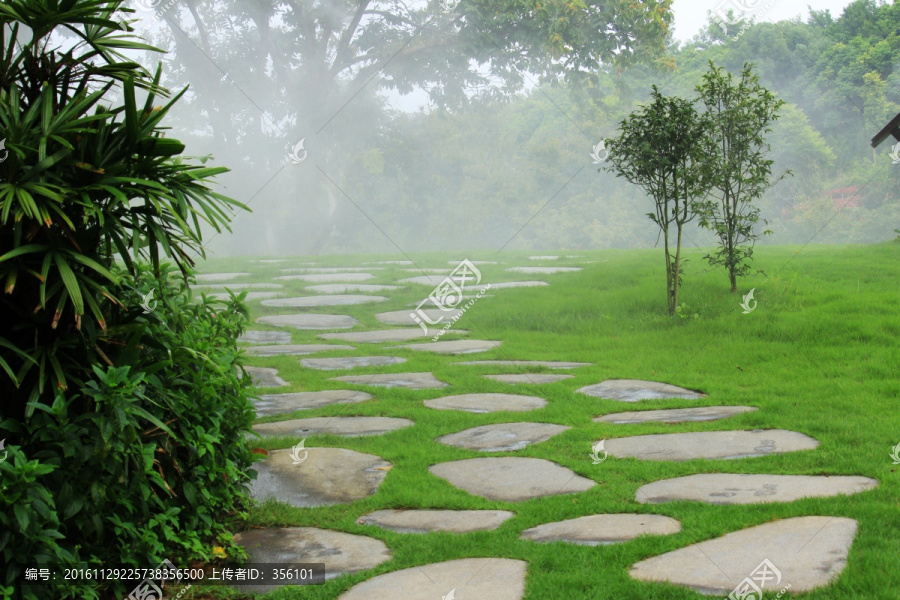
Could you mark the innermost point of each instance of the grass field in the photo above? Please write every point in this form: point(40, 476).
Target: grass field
point(819, 355)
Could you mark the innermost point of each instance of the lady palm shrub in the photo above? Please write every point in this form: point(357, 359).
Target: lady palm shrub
point(123, 429)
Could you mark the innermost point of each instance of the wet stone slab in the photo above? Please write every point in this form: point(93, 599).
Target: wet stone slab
point(405, 317)
point(350, 362)
point(511, 479)
point(237, 286)
point(384, 335)
point(487, 403)
point(634, 390)
point(444, 271)
point(345, 426)
point(265, 337)
point(265, 377)
point(343, 288)
point(531, 378)
point(543, 258)
point(328, 269)
point(455, 346)
point(474, 262)
point(433, 280)
point(596, 530)
point(739, 488)
point(505, 284)
point(340, 552)
point(249, 295)
point(413, 381)
point(426, 521)
point(310, 321)
point(675, 415)
point(330, 300)
point(277, 404)
point(325, 476)
point(808, 552)
point(550, 364)
point(502, 437)
point(327, 277)
point(220, 276)
point(294, 349)
point(390, 262)
point(710, 444)
point(544, 270)
point(462, 579)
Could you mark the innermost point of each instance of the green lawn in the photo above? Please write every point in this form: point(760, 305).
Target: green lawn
point(819, 355)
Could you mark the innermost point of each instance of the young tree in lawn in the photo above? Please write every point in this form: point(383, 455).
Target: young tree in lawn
point(663, 147)
point(740, 114)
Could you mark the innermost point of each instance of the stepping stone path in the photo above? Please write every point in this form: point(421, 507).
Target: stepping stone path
point(265, 377)
point(327, 277)
point(220, 276)
point(718, 566)
point(502, 437)
point(327, 270)
point(265, 337)
point(511, 479)
point(710, 444)
point(413, 381)
point(336, 300)
point(455, 346)
point(740, 488)
point(543, 258)
point(634, 390)
point(236, 286)
point(343, 288)
point(487, 403)
point(277, 404)
point(390, 262)
point(346, 426)
point(404, 317)
point(310, 321)
point(350, 362)
point(340, 552)
point(505, 284)
point(596, 530)
point(325, 476)
point(474, 262)
point(675, 415)
point(463, 579)
point(526, 363)
point(384, 335)
point(294, 349)
point(444, 271)
point(533, 378)
point(432, 280)
point(250, 295)
point(547, 270)
point(426, 521)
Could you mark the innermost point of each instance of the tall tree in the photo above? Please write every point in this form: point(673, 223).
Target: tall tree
point(740, 114)
point(664, 148)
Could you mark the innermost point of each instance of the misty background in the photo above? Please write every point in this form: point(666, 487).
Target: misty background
point(422, 130)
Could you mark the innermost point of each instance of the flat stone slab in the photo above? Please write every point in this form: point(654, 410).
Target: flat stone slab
point(535, 378)
point(543, 258)
point(390, 262)
point(461, 579)
point(413, 381)
point(404, 317)
point(675, 415)
point(808, 552)
point(487, 403)
point(596, 530)
point(249, 296)
point(634, 390)
point(511, 479)
point(474, 262)
point(237, 286)
point(384, 335)
point(502, 437)
point(455, 346)
point(340, 552)
point(265, 377)
point(426, 521)
point(710, 444)
point(332, 300)
point(551, 364)
point(310, 321)
point(350, 362)
point(326, 476)
point(547, 270)
point(294, 349)
point(739, 488)
point(265, 337)
point(346, 426)
point(445, 271)
point(278, 404)
point(327, 269)
point(343, 288)
point(505, 284)
point(432, 280)
point(220, 276)
point(327, 277)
